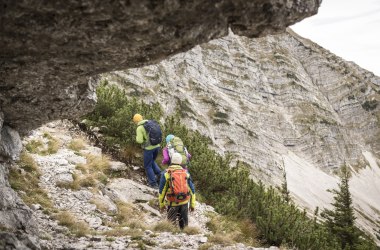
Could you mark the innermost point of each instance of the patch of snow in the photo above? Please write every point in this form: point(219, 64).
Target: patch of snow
point(307, 184)
point(365, 191)
point(366, 184)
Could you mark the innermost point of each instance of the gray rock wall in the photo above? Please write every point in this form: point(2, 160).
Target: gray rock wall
point(10, 143)
point(14, 214)
point(17, 240)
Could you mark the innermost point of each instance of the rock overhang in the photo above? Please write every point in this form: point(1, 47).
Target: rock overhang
point(53, 50)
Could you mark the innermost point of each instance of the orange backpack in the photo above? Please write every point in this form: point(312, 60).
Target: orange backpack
point(178, 186)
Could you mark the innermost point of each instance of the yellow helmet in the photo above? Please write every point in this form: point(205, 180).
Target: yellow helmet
point(137, 118)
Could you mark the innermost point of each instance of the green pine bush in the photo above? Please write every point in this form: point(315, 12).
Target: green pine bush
point(113, 114)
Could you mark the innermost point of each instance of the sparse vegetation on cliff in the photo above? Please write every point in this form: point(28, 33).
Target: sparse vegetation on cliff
point(76, 227)
point(76, 144)
point(25, 180)
point(39, 147)
point(114, 112)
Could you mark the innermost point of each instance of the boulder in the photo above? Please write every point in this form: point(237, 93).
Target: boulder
point(18, 240)
point(10, 144)
point(14, 214)
point(64, 178)
point(118, 166)
point(128, 191)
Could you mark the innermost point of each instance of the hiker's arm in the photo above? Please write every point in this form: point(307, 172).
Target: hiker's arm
point(192, 201)
point(140, 135)
point(166, 158)
point(162, 183)
point(191, 184)
point(192, 193)
point(162, 190)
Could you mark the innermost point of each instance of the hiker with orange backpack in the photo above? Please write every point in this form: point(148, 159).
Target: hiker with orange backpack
point(175, 145)
point(177, 192)
point(149, 135)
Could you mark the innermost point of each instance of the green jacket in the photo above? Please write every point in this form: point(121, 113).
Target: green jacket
point(142, 137)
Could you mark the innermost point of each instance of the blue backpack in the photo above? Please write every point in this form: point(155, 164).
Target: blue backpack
point(153, 130)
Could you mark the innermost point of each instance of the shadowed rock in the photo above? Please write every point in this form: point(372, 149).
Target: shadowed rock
point(17, 240)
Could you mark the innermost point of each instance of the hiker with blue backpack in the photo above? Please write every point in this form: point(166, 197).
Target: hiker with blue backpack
point(176, 192)
point(174, 144)
point(149, 135)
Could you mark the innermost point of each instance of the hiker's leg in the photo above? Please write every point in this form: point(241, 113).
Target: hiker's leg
point(148, 163)
point(183, 217)
point(172, 214)
point(156, 168)
point(158, 178)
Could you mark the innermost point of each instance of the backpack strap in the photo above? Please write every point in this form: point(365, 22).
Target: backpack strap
point(171, 185)
point(171, 180)
point(146, 143)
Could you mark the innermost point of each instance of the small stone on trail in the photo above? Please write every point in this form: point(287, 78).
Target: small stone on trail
point(203, 240)
point(36, 206)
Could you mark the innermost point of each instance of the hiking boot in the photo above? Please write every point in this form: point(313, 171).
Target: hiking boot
point(155, 186)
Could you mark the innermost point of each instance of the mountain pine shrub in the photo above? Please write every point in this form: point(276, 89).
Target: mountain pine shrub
point(113, 114)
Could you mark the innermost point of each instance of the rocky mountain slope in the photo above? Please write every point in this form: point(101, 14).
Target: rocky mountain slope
point(52, 52)
point(93, 202)
point(283, 105)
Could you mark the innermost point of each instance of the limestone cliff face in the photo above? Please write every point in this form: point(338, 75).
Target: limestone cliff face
point(277, 103)
point(260, 98)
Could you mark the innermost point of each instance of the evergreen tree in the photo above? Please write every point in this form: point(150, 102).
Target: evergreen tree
point(341, 219)
point(284, 189)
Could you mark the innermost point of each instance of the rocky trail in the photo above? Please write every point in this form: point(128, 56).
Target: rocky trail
point(93, 207)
